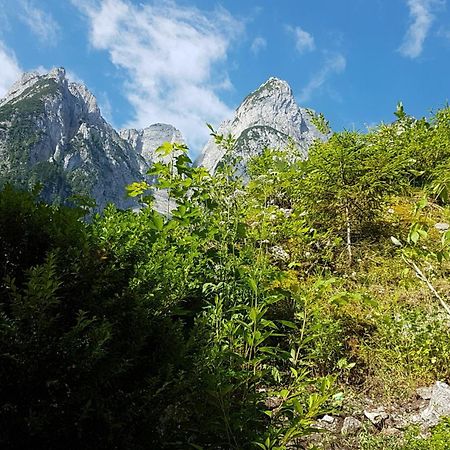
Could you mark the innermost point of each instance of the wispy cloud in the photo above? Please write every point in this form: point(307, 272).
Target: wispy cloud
point(304, 41)
point(422, 16)
point(334, 64)
point(444, 33)
point(105, 107)
point(40, 22)
point(9, 68)
point(258, 44)
point(173, 58)
point(73, 77)
point(4, 21)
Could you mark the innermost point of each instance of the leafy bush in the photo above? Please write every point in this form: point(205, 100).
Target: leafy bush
point(82, 361)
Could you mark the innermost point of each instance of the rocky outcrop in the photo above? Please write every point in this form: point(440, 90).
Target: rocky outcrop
point(146, 141)
point(268, 117)
point(52, 132)
point(438, 407)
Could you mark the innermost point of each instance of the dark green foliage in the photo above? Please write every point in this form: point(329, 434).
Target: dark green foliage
point(183, 330)
point(82, 362)
point(29, 230)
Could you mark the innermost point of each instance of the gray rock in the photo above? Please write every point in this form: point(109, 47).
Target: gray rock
point(327, 422)
point(279, 254)
point(439, 405)
point(425, 392)
point(268, 117)
point(377, 416)
point(64, 142)
point(68, 146)
point(146, 141)
point(351, 425)
point(328, 419)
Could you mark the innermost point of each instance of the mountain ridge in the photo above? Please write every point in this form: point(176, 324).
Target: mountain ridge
point(272, 114)
point(52, 132)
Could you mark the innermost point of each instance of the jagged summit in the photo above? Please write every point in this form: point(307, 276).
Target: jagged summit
point(52, 131)
point(29, 79)
point(146, 141)
point(273, 86)
point(268, 117)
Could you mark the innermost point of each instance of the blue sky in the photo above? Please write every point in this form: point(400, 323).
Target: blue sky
point(188, 62)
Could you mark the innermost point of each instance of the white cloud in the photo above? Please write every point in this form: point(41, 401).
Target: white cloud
point(421, 14)
point(334, 64)
point(173, 60)
point(73, 77)
point(304, 41)
point(258, 44)
point(41, 23)
point(10, 69)
point(105, 107)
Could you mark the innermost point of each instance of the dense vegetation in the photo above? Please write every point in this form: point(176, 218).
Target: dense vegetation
point(242, 316)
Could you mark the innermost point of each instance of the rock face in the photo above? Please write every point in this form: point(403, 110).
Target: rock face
point(52, 132)
point(268, 117)
point(146, 141)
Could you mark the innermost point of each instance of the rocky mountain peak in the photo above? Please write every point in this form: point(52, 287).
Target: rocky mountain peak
point(30, 79)
point(146, 141)
point(58, 74)
point(273, 87)
point(52, 132)
point(268, 117)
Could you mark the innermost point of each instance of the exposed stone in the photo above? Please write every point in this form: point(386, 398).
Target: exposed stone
point(146, 141)
point(377, 416)
point(268, 117)
point(65, 142)
point(279, 253)
point(328, 419)
point(425, 392)
point(327, 422)
point(351, 425)
point(438, 407)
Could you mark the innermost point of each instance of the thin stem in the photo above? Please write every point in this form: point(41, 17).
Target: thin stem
point(424, 278)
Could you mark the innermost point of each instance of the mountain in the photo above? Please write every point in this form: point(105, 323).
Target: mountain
point(268, 117)
point(52, 132)
point(145, 142)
